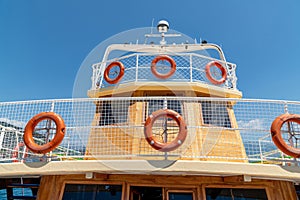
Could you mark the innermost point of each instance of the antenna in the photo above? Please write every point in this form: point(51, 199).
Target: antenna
point(151, 32)
point(152, 25)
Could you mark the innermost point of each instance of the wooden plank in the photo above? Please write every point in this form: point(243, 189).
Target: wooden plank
point(52, 186)
point(217, 143)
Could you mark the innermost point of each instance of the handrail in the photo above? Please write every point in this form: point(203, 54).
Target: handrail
point(193, 62)
point(251, 118)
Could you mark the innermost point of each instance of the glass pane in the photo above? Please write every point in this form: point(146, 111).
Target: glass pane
point(22, 191)
point(180, 196)
point(109, 192)
point(155, 105)
point(114, 112)
point(175, 105)
point(236, 194)
point(215, 113)
point(297, 187)
point(79, 192)
point(146, 193)
point(3, 194)
point(92, 192)
point(106, 115)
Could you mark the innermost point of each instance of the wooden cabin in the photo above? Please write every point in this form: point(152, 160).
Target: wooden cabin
point(219, 141)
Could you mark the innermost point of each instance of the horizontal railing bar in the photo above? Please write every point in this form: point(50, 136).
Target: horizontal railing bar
point(76, 100)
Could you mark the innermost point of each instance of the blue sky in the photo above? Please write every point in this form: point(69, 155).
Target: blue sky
point(43, 43)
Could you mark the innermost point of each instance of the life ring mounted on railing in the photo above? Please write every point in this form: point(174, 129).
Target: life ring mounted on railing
point(117, 78)
point(154, 67)
point(277, 134)
point(161, 146)
point(210, 76)
point(30, 128)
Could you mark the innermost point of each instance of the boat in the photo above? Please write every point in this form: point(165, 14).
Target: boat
point(163, 120)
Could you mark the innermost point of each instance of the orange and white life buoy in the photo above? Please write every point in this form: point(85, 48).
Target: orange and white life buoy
point(277, 137)
point(159, 58)
point(16, 151)
point(49, 146)
point(120, 75)
point(169, 146)
point(209, 75)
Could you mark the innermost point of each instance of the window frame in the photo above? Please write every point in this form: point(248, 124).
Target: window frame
point(233, 186)
point(177, 190)
point(227, 108)
point(92, 182)
point(111, 122)
point(162, 94)
point(147, 114)
point(195, 189)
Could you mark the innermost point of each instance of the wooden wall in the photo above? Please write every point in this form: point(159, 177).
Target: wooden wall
point(52, 187)
point(217, 144)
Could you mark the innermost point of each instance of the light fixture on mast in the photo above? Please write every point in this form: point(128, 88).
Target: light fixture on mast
point(162, 28)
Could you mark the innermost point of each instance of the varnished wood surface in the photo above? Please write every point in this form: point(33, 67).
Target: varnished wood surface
point(203, 142)
point(52, 186)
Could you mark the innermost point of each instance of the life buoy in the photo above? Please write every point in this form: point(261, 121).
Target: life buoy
point(16, 151)
point(209, 75)
point(169, 146)
point(277, 137)
point(120, 75)
point(159, 58)
point(32, 123)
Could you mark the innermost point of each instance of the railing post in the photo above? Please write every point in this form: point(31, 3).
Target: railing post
point(1, 138)
point(52, 106)
point(165, 106)
point(136, 67)
point(286, 110)
point(100, 74)
point(260, 151)
point(49, 124)
point(94, 81)
point(234, 78)
point(191, 68)
point(229, 75)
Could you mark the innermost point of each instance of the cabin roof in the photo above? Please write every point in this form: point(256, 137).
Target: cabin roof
point(184, 168)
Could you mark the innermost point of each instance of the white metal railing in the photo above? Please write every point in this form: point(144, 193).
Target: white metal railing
point(190, 67)
point(114, 128)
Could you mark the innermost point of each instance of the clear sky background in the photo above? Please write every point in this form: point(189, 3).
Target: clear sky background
point(44, 42)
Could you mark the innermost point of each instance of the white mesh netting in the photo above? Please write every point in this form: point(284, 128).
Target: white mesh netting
point(190, 67)
point(217, 128)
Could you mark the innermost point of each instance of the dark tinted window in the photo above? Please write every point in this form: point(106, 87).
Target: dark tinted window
point(113, 112)
point(235, 193)
point(297, 187)
point(180, 196)
point(216, 114)
point(146, 193)
point(92, 192)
